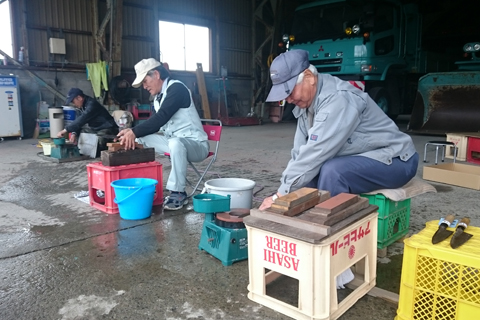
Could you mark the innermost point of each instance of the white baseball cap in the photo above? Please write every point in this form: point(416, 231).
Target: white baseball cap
point(142, 68)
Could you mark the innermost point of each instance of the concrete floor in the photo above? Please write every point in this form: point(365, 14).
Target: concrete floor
point(62, 259)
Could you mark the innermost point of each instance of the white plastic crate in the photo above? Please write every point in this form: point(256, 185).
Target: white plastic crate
point(461, 140)
point(315, 266)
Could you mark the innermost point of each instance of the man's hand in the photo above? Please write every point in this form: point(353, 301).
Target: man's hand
point(61, 133)
point(267, 202)
point(73, 138)
point(127, 138)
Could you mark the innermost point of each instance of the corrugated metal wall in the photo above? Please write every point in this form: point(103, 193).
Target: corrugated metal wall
point(74, 20)
point(139, 36)
point(235, 36)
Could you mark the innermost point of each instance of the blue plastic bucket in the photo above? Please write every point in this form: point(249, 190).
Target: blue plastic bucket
point(69, 115)
point(134, 197)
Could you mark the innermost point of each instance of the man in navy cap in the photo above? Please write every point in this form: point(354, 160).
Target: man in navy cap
point(94, 118)
point(344, 142)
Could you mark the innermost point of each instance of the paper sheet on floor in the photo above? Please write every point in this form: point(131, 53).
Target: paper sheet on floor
point(82, 196)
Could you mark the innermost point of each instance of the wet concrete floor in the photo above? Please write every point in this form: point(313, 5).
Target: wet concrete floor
point(62, 259)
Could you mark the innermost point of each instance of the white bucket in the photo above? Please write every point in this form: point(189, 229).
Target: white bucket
point(56, 121)
point(240, 190)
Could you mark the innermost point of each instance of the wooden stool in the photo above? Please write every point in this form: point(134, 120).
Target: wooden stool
point(437, 145)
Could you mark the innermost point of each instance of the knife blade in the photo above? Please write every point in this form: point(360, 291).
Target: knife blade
point(442, 232)
point(460, 236)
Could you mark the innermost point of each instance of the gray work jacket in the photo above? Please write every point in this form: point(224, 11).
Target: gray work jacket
point(346, 122)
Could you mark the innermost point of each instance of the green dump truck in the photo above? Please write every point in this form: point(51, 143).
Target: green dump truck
point(376, 45)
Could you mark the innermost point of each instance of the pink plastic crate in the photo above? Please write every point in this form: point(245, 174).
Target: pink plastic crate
point(100, 177)
point(473, 150)
point(142, 112)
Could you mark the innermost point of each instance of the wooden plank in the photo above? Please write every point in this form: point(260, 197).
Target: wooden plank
point(285, 230)
point(337, 203)
point(384, 294)
point(124, 157)
point(299, 208)
point(324, 195)
point(297, 197)
point(116, 146)
point(290, 221)
point(301, 231)
point(314, 216)
point(353, 218)
point(116, 44)
point(277, 208)
point(202, 89)
point(375, 291)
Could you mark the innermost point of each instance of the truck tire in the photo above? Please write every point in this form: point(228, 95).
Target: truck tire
point(382, 99)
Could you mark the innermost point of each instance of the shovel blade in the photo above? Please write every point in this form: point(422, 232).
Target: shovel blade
point(441, 235)
point(460, 239)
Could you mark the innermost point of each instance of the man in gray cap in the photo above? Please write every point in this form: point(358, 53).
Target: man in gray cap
point(344, 142)
point(174, 128)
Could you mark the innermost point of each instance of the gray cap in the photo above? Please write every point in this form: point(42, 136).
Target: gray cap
point(284, 72)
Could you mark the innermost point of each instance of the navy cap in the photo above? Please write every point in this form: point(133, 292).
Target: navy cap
point(284, 72)
point(74, 92)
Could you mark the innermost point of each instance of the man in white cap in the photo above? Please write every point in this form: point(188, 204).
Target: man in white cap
point(174, 128)
point(344, 142)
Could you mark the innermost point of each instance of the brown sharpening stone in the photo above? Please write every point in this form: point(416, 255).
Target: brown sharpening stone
point(336, 204)
point(296, 197)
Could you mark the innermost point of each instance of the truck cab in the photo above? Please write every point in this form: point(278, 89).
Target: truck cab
point(373, 44)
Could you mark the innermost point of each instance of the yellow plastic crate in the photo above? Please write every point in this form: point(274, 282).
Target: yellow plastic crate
point(439, 282)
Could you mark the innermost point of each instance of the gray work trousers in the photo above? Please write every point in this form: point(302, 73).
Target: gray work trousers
point(181, 151)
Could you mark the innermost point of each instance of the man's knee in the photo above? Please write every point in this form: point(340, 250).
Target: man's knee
point(331, 169)
point(333, 177)
point(141, 141)
point(176, 146)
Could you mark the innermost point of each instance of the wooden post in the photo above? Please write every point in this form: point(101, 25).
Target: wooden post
point(96, 51)
point(116, 49)
point(202, 89)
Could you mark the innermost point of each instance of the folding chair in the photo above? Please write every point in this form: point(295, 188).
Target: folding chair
point(213, 131)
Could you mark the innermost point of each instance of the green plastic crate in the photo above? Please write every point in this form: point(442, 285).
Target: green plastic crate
point(393, 218)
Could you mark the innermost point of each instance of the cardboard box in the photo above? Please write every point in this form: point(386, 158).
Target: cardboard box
point(462, 175)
